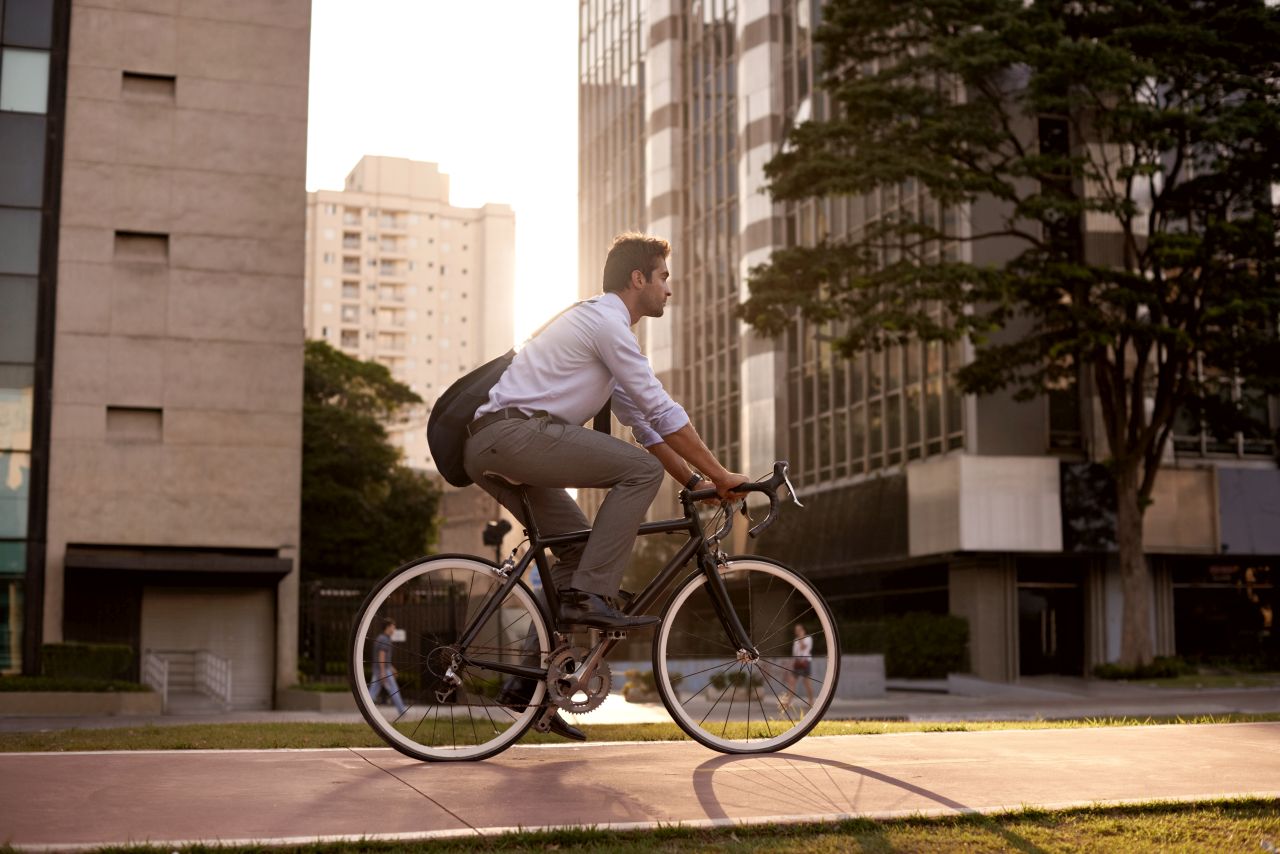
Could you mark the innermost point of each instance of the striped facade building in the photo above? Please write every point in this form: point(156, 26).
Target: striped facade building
point(922, 499)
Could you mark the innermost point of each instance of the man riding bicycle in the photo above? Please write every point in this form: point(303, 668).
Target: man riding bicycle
point(530, 433)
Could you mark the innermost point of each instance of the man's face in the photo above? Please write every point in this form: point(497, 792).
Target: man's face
point(655, 293)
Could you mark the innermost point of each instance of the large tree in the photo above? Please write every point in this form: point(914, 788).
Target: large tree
point(363, 511)
point(1129, 151)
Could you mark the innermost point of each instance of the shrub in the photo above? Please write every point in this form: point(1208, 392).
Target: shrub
point(736, 678)
point(68, 683)
point(1162, 667)
point(926, 646)
point(642, 685)
point(87, 660)
point(915, 646)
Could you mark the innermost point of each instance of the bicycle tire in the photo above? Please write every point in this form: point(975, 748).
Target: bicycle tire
point(690, 651)
point(432, 600)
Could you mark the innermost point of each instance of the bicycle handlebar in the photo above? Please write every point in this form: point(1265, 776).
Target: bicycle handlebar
point(768, 487)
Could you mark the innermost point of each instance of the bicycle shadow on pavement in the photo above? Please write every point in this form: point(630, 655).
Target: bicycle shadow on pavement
point(733, 788)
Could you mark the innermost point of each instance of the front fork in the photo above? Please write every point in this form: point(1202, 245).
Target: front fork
point(711, 563)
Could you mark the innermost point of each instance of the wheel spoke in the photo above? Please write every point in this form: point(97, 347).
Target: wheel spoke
point(433, 602)
point(727, 703)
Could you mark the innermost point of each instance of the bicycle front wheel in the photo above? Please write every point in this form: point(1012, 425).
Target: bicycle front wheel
point(441, 702)
point(731, 700)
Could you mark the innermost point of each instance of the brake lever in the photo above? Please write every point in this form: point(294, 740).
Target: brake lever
point(791, 489)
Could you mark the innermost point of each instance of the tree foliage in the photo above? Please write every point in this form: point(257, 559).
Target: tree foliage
point(363, 511)
point(1119, 158)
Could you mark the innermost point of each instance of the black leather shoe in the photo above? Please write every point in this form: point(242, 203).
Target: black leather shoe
point(564, 729)
point(516, 698)
point(578, 608)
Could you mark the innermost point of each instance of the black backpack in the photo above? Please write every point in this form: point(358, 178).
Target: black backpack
point(456, 408)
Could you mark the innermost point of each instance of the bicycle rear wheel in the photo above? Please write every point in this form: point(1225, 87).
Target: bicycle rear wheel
point(732, 702)
point(432, 601)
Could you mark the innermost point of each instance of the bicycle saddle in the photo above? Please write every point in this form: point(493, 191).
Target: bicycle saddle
point(502, 480)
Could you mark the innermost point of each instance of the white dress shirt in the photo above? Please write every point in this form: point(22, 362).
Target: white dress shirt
point(586, 356)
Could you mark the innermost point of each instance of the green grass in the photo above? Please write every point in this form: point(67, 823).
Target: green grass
point(1225, 825)
point(263, 736)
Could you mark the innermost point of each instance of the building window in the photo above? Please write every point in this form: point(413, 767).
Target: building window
point(24, 80)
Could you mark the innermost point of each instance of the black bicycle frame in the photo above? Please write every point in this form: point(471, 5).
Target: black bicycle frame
point(538, 545)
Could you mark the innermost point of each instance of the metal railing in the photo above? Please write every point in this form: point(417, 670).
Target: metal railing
point(213, 677)
point(155, 673)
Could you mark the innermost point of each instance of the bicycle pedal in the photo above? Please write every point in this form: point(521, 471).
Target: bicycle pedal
point(615, 634)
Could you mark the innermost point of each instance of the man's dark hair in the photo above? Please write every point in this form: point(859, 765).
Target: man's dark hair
point(632, 251)
point(387, 622)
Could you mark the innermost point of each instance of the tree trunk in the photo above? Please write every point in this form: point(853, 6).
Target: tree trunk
point(1135, 633)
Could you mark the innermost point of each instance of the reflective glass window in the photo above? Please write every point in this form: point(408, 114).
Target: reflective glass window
point(17, 384)
point(13, 558)
point(21, 160)
point(15, 479)
point(24, 80)
point(28, 22)
point(17, 319)
point(11, 608)
point(19, 241)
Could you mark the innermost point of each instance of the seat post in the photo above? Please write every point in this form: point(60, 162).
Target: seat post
point(527, 507)
point(522, 490)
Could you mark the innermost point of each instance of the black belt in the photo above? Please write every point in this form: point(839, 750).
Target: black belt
point(501, 415)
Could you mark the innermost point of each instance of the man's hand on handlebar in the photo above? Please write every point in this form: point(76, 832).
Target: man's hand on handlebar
point(733, 485)
point(727, 483)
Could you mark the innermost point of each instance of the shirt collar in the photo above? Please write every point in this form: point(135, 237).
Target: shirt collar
point(612, 302)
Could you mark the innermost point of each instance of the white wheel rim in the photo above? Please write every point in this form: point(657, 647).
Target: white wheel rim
point(362, 688)
point(821, 698)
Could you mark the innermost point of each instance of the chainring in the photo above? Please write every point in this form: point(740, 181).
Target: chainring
point(584, 698)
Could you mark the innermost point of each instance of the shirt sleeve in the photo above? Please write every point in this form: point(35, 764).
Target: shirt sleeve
point(639, 400)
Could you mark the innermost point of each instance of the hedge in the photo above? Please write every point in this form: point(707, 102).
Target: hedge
point(87, 660)
point(1162, 667)
point(915, 646)
point(67, 683)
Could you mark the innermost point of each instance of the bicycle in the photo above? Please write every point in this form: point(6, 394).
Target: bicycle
point(720, 655)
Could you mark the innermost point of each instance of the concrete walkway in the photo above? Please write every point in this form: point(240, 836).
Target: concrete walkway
point(1031, 699)
point(69, 801)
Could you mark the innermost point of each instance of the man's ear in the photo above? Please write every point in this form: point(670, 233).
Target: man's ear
point(637, 279)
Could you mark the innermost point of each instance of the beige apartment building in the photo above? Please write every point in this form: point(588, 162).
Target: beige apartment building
point(151, 366)
point(397, 275)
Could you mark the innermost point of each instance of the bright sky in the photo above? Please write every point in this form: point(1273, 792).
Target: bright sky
point(485, 88)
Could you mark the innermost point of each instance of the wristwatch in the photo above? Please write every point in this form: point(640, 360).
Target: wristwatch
point(694, 480)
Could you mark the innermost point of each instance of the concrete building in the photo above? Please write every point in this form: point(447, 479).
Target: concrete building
point(151, 281)
point(396, 274)
point(919, 498)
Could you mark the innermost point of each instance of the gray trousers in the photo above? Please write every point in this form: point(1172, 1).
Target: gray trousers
point(548, 458)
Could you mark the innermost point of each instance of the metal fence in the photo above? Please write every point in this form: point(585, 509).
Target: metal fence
point(328, 606)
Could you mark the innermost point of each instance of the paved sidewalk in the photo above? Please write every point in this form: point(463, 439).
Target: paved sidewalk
point(81, 800)
point(1032, 699)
